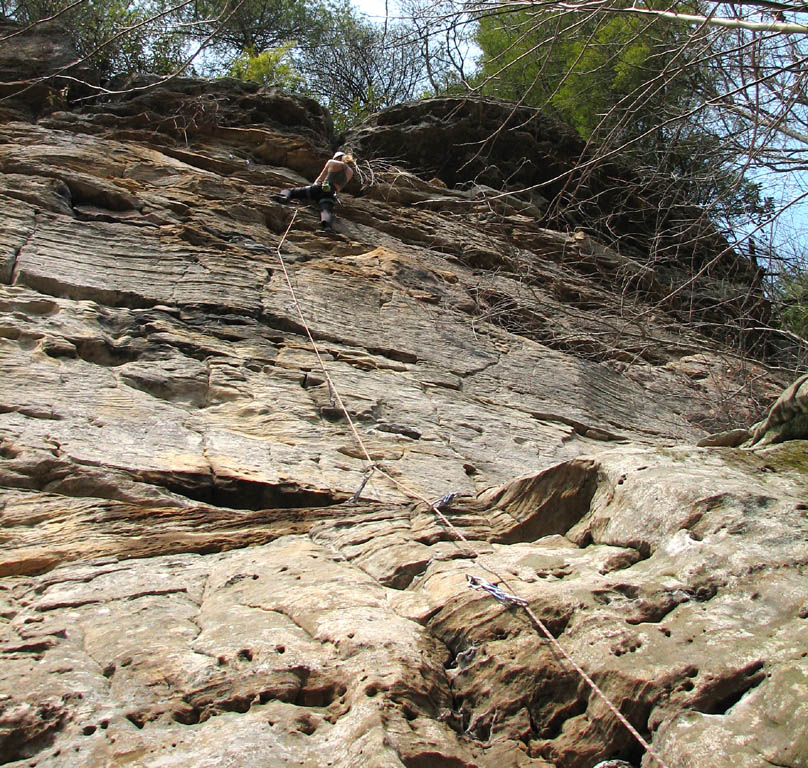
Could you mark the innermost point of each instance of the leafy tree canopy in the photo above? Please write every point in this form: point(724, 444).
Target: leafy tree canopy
point(115, 36)
point(270, 67)
point(258, 25)
point(589, 70)
point(621, 80)
point(357, 67)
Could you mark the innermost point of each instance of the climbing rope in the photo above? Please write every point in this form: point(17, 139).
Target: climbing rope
point(331, 388)
point(474, 582)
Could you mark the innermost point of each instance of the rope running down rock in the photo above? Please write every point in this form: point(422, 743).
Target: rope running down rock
point(473, 582)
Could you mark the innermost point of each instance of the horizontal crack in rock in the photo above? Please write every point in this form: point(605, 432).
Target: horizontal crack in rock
point(237, 493)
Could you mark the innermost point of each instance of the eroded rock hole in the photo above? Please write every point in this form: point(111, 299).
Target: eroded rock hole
point(186, 716)
point(553, 725)
point(400, 429)
point(8, 451)
point(27, 731)
point(311, 380)
point(102, 352)
point(137, 719)
point(306, 724)
point(317, 692)
point(432, 759)
point(723, 694)
point(239, 704)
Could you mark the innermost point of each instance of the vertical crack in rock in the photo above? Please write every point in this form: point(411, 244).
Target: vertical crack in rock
point(192, 262)
point(15, 259)
point(265, 280)
point(204, 440)
point(207, 403)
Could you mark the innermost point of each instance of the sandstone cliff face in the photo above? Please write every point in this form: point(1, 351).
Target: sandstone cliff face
point(188, 574)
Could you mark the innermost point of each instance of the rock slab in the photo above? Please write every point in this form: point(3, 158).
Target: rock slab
point(207, 561)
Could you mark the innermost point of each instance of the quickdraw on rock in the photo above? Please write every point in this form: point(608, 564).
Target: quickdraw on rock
point(368, 473)
point(443, 500)
point(475, 582)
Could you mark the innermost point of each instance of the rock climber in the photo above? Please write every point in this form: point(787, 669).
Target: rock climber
point(336, 173)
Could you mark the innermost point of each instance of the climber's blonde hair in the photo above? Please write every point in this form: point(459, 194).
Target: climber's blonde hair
point(344, 157)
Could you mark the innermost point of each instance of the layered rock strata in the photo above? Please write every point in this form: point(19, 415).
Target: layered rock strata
point(198, 567)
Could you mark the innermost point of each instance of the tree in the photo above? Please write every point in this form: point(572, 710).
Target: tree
point(790, 293)
point(324, 49)
point(271, 67)
point(112, 35)
point(357, 68)
point(445, 41)
point(624, 81)
point(255, 25)
point(735, 72)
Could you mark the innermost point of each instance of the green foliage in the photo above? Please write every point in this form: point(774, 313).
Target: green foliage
point(327, 50)
point(259, 25)
point(270, 67)
point(791, 300)
point(623, 81)
point(157, 35)
point(603, 73)
point(357, 68)
point(113, 35)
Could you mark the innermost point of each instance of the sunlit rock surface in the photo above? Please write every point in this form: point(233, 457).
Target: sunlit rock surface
point(194, 571)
